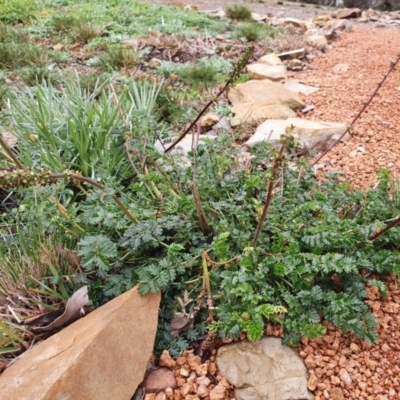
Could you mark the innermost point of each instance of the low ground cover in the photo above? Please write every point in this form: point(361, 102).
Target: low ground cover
point(232, 241)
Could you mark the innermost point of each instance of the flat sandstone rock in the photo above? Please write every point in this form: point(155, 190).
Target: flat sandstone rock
point(102, 356)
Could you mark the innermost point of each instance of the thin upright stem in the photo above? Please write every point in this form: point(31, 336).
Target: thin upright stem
point(268, 199)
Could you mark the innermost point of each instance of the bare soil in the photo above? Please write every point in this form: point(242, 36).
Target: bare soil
point(368, 54)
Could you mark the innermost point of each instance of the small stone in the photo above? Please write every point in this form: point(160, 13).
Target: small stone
point(194, 361)
point(310, 362)
point(218, 393)
point(184, 372)
point(192, 397)
point(187, 388)
point(159, 379)
point(289, 55)
point(75, 46)
point(295, 22)
point(335, 380)
point(154, 63)
point(212, 369)
point(263, 71)
point(318, 41)
point(166, 360)
point(273, 59)
point(180, 381)
point(385, 347)
point(345, 377)
point(295, 65)
point(224, 383)
point(337, 394)
point(58, 47)
point(169, 392)
point(161, 396)
point(208, 121)
point(192, 377)
point(346, 13)
point(353, 153)
point(312, 382)
point(202, 391)
point(181, 361)
point(340, 69)
point(203, 380)
point(322, 19)
point(202, 370)
point(354, 347)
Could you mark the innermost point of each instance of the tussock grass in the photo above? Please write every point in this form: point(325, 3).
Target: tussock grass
point(118, 57)
point(238, 12)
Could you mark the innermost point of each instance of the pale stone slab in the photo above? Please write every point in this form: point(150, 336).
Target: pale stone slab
point(297, 86)
point(346, 13)
point(256, 100)
point(308, 133)
point(102, 356)
point(289, 55)
point(270, 59)
point(261, 71)
point(264, 370)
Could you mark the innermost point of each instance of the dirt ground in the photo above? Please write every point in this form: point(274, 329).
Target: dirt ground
point(368, 54)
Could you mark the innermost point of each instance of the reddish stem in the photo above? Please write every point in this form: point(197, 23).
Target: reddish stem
point(269, 195)
point(394, 223)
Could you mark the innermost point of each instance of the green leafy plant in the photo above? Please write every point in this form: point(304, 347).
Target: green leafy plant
point(277, 260)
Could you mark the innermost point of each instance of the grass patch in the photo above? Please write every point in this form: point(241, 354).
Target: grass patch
point(238, 12)
point(16, 50)
point(117, 57)
point(17, 11)
point(132, 18)
point(250, 32)
point(206, 71)
point(14, 55)
point(75, 28)
point(33, 75)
